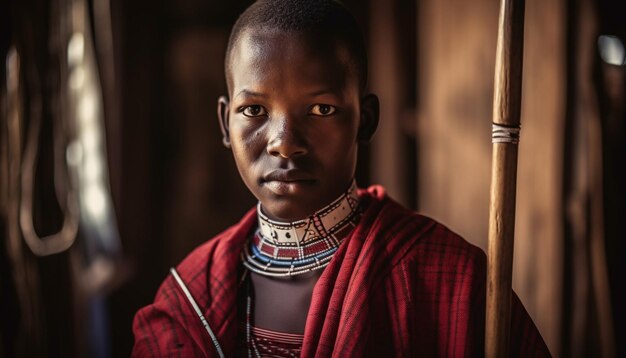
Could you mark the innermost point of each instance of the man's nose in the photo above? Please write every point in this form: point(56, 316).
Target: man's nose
point(285, 139)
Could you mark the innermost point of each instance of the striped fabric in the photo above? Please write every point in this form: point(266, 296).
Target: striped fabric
point(272, 344)
point(399, 285)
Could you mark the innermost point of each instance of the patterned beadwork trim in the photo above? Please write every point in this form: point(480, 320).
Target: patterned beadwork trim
point(252, 263)
point(288, 249)
point(321, 224)
point(301, 252)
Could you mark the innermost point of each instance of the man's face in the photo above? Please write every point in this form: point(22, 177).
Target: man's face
point(292, 120)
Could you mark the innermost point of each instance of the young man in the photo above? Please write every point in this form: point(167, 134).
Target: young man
point(319, 268)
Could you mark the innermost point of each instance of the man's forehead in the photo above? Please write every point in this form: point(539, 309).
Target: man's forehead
point(260, 53)
point(259, 42)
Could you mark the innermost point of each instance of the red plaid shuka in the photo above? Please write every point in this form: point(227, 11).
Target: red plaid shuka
point(400, 284)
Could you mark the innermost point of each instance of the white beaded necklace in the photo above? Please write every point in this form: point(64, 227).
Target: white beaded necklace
point(286, 249)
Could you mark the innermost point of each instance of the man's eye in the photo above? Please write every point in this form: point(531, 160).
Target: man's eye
point(254, 111)
point(322, 110)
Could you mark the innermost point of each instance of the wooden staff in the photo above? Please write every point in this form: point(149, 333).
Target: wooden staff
point(505, 137)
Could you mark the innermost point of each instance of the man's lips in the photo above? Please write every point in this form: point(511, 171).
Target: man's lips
point(288, 176)
point(287, 181)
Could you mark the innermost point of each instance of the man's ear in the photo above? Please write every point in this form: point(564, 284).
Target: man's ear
point(369, 118)
point(223, 115)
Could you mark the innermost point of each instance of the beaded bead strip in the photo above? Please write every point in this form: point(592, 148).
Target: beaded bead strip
point(266, 269)
point(250, 342)
point(321, 224)
point(293, 262)
point(287, 249)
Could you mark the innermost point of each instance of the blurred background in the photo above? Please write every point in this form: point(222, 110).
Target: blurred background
point(112, 167)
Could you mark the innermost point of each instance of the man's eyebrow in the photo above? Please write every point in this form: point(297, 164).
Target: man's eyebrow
point(248, 93)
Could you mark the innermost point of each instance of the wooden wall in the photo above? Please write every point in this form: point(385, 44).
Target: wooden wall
point(457, 55)
point(564, 221)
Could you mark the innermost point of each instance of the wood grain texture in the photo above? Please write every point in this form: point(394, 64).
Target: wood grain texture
point(506, 111)
point(509, 59)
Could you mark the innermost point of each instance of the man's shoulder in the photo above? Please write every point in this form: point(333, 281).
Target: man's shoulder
point(206, 249)
point(416, 236)
point(442, 247)
point(439, 258)
point(222, 243)
point(196, 267)
point(433, 242)
point(440, 238)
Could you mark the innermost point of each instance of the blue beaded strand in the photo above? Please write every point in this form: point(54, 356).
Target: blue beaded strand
point(288, 263)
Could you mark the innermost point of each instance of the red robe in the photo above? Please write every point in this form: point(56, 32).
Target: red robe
point(401, 284)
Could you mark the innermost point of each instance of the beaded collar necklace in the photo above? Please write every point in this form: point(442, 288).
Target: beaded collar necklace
point(293, 248)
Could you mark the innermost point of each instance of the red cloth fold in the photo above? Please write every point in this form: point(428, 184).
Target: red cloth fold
point(400, 284)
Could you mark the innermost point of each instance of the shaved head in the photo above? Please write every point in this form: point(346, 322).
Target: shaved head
point(324, 19)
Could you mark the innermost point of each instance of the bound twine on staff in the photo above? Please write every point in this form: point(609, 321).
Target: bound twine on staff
point(505, 134)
